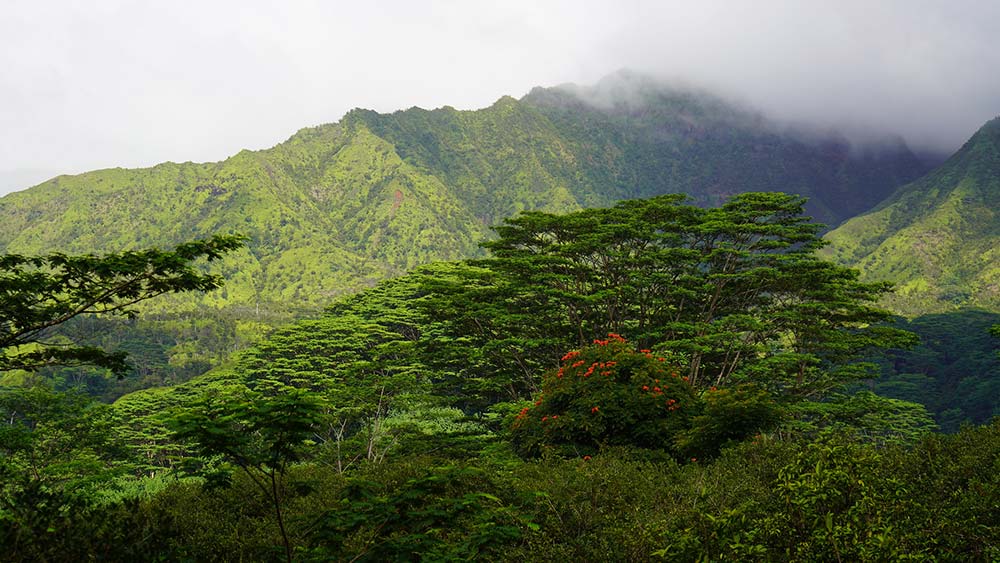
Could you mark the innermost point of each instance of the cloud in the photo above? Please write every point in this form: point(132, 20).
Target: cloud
point(125, 83)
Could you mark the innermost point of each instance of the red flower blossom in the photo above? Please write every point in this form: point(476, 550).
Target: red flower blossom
point(595, 409)
point(578, 364)
point(586, 458)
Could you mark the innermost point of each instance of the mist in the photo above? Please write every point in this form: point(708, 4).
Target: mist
point(123, 83)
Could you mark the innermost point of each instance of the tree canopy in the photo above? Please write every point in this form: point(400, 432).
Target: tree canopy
point(736, 290)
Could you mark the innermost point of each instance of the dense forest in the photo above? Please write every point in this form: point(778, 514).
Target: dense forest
point(647, 380)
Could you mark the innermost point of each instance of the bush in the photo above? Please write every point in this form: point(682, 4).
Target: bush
point(728, 415)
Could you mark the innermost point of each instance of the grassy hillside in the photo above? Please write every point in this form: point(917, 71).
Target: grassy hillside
point(937, 238)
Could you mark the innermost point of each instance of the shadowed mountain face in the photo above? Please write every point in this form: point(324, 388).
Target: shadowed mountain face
point(937, 238)
point(339, 206)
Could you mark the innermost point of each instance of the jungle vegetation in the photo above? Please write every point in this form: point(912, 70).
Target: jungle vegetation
point(648, 380)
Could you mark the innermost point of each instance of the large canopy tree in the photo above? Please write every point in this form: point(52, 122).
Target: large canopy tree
point(736, 290)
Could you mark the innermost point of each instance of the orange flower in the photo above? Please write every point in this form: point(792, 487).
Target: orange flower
point(595, 409)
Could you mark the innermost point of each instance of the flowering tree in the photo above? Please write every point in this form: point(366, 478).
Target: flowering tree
point(607, 394)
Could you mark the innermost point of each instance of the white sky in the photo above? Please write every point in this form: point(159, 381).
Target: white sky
point(103, 83)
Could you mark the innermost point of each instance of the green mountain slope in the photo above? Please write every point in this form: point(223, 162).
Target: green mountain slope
point(339, 206)
point(937, 238)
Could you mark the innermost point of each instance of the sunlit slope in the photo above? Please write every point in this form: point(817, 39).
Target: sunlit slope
point(938, 238)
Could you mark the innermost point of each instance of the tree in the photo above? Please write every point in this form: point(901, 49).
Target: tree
point(260, 434)
point(39, 293)
point(737, 290)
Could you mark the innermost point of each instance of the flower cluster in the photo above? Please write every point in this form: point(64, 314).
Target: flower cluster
point(612, 337)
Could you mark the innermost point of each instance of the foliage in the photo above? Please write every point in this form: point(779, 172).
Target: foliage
point(767, 499)
point(441, 515)
point(374, 431)
point(865, 415)
point(729, 415)
point(954, 371)
point(60, 442)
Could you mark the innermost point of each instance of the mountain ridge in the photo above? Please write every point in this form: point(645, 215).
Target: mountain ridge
point(438, 179)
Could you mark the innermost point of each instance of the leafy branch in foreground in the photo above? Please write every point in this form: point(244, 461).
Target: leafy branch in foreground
point(38, 293)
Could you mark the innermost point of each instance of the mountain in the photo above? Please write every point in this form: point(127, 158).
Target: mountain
point(938, 238)
point(337, 207)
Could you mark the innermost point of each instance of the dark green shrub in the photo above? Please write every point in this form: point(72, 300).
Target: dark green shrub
point(728, 415)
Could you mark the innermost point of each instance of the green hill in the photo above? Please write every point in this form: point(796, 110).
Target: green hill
point(336, 208)
point(937, 238)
